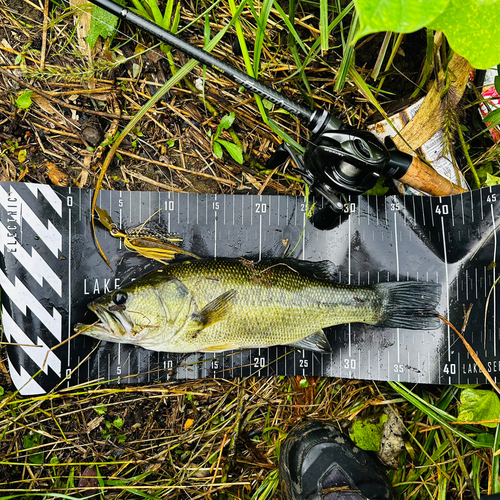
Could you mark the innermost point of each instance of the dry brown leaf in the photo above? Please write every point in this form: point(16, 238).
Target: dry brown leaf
point(44, 104)
point(428, 119)
point(56, 176)
point(188, 423)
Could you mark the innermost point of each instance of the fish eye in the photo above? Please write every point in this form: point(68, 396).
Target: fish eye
point(120, 298)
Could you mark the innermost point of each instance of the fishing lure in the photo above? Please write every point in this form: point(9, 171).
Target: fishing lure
point(150, 241)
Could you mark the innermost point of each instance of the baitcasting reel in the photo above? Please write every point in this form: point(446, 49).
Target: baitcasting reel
point(338, 160)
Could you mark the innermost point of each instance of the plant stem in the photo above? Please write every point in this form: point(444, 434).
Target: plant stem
point(467, 156)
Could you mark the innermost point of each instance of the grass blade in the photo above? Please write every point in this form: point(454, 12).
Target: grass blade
point(259, 36)
point(381, 55)
point(348, 58)
point(157, 16)
point(435, 413)
point(495, 463)
point(323, 24)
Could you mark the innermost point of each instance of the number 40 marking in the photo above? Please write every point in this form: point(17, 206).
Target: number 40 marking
point(442, 209)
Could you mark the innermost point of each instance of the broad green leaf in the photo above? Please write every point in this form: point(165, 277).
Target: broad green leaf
point(379, 189)
point(32, 440)
point(487, 439)
point(491, 180)
point(227, 121)
point(268, 104)
point(22, 155)
point(493, 117)
point(24, 100)
point(477, 405)
point(118, 422)
point(218, 150)
point(234, 150)
point(367, 433)
point(472, 27)
point(100, 409)
point(103, 24)
point(402, 16)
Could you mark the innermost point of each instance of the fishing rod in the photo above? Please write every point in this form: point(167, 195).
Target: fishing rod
point(338, 159)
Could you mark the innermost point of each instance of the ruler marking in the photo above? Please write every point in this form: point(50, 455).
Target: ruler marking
point(349, 271)
point(279, 213)
point(447, 291)
point(463, 210)
point(368, 210)
point(494, 280)
point(251, 209)
point(396, 245)
point(119, 363)
point(304, 236)
point(69, 281)
point(452, 213)
point(215, 227)
point(130, 207)
point(260, 231)
point(472, 204)
point(269, 209)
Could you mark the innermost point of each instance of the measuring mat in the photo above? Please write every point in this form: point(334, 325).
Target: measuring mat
point(51, 269)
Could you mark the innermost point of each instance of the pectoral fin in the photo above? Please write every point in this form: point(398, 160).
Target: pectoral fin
point(214, 311)
point(315, 342)
point(219, 348)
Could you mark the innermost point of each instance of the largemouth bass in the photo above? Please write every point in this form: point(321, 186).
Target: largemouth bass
point(212, 306)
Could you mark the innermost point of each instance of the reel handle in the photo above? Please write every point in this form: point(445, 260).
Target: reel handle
point(420, 176)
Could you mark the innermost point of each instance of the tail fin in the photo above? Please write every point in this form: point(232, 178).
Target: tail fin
point(409, 304)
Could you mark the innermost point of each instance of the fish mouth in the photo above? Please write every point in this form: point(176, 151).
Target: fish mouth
point(114, 323)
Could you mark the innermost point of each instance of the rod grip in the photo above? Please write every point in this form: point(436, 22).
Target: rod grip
point(420, 176)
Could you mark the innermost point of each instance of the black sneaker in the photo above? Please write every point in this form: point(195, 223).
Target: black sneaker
point(318, 462)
